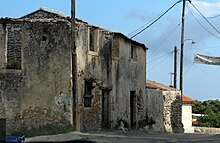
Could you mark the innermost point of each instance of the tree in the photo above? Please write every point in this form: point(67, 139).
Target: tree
point(211, 111)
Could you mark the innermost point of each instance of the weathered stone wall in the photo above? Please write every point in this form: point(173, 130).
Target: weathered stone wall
point(128, 75)
point(154, 111)
point(206, 130)
point(46, 73)
point(172, 111)
point(11, 83)
point(40, 93)
point(163, 111)
point(2, 45)
point(45, 92)
point(115, 73)
point(13, 41)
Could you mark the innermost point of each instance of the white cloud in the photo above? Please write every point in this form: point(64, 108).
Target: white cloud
point(207, 8)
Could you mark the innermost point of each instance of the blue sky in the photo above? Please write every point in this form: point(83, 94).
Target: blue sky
point(201, 82)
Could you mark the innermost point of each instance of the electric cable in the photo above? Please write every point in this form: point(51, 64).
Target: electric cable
point(155, 20)
point(205, 18)
point(165, 39)
point(159, 57)
point(190, 10)
point(158, 63)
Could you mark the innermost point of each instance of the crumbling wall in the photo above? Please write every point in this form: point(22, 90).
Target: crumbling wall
point(40, 93)
point(172, 111)
point(13, 41)
point(11, 83)
point(154, 111)
point(128, 76)
point(2, 45)
point(46, 74)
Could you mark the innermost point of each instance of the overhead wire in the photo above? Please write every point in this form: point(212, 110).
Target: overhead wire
point(138, 29)
point(164, 39)
point(159, 62)
point(205, 18)
point(155, 20)
point(190, 10)
point(159, 57)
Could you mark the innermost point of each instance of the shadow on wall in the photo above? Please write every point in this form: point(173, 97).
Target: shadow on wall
point(176, 116)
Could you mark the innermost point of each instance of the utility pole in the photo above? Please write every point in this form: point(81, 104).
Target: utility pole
point(175, 68)
point(182, 50)
point(74, 66)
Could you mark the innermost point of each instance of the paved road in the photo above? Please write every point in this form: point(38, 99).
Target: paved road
point(128, 137)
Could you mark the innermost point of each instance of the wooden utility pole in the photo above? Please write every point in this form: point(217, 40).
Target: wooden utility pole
point(175, 68)
point(74, 66)
point(182, 49)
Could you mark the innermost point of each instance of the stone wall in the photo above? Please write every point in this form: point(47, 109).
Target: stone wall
point(206, 130)
point(155, 108)
point(40, 93)
point(11, 83)
point(115, 74)
point(13, 41)
point(172, 112)
point(44, 93)
point(163, 111)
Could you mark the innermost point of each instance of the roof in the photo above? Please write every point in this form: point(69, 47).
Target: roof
point(159, 86)
point(186, 99)
point(59, 13)
point(156, 85)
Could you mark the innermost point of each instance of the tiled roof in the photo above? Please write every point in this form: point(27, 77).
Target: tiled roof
point(156, 85)
point(186, 99)
point(159, 86)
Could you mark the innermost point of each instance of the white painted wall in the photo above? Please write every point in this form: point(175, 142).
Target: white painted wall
point(187, 118)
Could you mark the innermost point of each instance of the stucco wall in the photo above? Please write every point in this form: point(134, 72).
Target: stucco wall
point(155, 108)
point(187, 118)
point(163, 111)
point(115, 74)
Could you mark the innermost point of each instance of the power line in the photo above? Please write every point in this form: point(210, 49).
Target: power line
point(205, 18)
point(165, 39)
point(159, 57)
point(190, 10)
point(161, 61)
point(155, 20)
point(141, 27)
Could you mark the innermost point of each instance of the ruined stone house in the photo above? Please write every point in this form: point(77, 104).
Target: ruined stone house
point(163, 108)
point(36, 77)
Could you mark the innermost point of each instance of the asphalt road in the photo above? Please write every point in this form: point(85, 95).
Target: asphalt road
point(127, 137)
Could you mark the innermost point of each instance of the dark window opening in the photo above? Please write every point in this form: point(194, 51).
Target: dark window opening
point(44, 38)
point(88, 94)
point(92, 40)
point(132, 52)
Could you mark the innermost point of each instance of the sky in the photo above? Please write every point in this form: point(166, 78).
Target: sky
point(200, 82)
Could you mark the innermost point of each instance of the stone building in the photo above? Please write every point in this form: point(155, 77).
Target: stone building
point(36, 78)
point(163, 108)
